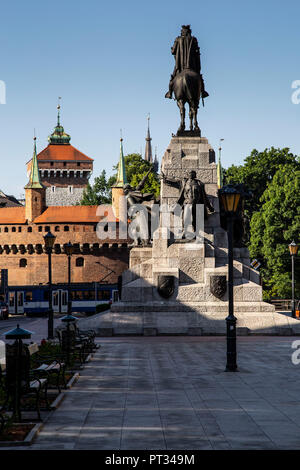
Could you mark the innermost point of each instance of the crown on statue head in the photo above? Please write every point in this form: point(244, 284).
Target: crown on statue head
point(187, 27)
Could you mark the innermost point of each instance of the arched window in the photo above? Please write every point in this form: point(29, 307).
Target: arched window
point(40, 228)
point(47, 228)
point(29, 229)
point(5, 229)
point(66, 228)
point(23, 263)
point(56, 228)
point(13, 229)
point(79, 262)
point(20, 229)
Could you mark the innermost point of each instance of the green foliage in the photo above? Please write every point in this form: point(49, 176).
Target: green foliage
point(102, 307)
point(258, 171)
point(98, 193)
point(273, 176)
point(136, 168)
point(273, 227)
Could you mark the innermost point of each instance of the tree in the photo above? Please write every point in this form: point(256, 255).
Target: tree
point(136, 168)
point(273, 227)
point(258, 171)
point(98, 193)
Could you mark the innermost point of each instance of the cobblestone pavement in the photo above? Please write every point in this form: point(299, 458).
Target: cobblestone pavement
point(173, 393)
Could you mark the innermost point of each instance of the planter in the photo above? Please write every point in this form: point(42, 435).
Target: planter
point(20, 434)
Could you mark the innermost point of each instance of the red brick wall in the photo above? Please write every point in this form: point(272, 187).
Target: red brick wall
point(101, 263)
point(106, 266)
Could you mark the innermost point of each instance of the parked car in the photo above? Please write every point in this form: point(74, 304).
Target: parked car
point(3, 311)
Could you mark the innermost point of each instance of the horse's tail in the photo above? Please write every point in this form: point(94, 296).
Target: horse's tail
point(188, 86)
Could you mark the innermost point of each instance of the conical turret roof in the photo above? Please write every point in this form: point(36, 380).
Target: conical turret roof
point(34, 177)
point(121, 177)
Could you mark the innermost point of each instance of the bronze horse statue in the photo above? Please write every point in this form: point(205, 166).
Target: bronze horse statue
point(187, 88)
point(186, 80)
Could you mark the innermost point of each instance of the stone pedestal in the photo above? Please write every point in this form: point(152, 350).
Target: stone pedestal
point(193, 307)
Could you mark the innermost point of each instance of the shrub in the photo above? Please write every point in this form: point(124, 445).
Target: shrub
point(102, 307)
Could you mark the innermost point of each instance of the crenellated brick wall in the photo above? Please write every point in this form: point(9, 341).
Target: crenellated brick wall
point(103, 260)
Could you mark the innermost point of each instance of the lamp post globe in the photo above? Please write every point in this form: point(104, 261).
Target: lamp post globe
point(49, 239)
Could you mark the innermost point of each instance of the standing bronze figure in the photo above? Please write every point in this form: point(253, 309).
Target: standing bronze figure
point(186, 82)
point(191, 192)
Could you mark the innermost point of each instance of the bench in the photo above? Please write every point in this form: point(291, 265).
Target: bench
point(85, 335)
point(47, 366)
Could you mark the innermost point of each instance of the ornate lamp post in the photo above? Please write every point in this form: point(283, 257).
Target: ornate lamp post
point(69, 249)
point(293, 247)
point(230, 198)
point(14, 369)
point(49, 242)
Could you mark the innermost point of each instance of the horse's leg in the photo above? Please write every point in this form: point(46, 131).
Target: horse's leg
point(181, 106)
point(191, 113)
point(195, 111)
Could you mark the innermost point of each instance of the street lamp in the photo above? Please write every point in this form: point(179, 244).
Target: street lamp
point(69, 249)
point(15, 370)
point(49, 242)
point(230, 197)
point(293, 247)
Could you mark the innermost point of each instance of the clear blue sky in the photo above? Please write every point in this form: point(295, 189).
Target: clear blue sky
point(111, 62)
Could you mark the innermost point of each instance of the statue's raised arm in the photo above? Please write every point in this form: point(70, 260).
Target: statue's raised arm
point(143, 181)
point(176, 183)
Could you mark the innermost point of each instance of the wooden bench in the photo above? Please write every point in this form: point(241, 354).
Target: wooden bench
point(85, 335)
point(47, 366)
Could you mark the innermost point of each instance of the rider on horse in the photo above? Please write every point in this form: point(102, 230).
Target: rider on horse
point(187, 56)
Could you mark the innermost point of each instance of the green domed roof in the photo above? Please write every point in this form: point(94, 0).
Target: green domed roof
point(59, 136)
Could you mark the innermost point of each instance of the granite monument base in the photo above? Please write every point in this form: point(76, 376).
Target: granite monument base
point(179, 286)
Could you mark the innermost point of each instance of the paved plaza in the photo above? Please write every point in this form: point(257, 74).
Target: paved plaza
point(173, 393)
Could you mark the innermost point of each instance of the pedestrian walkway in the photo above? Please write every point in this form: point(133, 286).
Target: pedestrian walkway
point(173, 393)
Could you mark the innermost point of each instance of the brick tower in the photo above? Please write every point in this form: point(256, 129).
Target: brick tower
point(64, 170)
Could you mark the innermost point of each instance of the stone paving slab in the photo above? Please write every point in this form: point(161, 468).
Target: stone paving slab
point(172, 393)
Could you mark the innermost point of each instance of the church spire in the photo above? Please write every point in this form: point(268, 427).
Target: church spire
point(34, 178)
point(148, 148)
point(59, 136)
point(155, 163)
point(121, 177)
point(219, 168)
